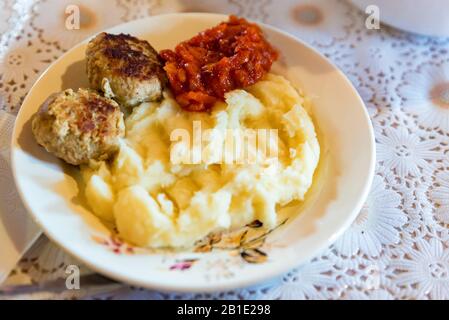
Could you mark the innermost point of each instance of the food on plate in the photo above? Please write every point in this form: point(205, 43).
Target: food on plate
point(232, 55)
point(79, 126)
point(125, 68)
point(155, 200)
point(176, 176)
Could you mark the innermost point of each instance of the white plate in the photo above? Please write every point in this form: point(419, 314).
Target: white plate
point(50, 192)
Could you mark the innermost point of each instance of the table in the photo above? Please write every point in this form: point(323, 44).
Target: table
point(398, 247)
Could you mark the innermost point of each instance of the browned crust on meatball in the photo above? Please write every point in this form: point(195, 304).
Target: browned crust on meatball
point(126, 68)
point(93, 114)
point(131, 57)
point(79, 126)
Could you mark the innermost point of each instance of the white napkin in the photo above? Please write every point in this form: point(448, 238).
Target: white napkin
point(17, 231)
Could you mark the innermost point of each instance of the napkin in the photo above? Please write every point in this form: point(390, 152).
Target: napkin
point(17, 231)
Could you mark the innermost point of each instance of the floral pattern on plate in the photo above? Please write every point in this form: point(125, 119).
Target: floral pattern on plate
point(248, 243)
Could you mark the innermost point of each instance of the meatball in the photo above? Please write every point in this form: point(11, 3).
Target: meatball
point(125, 68)
point(79, 126)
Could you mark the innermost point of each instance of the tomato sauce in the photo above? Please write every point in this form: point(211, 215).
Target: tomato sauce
point(232, 55)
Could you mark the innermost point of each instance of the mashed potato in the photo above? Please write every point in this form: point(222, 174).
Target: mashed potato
point(156, 199)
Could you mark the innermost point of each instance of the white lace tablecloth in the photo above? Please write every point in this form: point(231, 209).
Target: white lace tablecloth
point(398, 247)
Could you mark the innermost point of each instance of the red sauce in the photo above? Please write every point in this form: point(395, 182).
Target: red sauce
point(230, 56)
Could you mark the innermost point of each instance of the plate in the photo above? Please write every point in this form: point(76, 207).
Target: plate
point(50, 191)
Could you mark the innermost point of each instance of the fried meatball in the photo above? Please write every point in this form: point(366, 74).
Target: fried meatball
point(79, 126)
point(125, 68)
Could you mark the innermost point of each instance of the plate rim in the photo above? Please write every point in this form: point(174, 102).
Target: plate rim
point(230, 283)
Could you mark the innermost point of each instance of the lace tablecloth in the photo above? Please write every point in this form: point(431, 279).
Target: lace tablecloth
point(398, 247)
